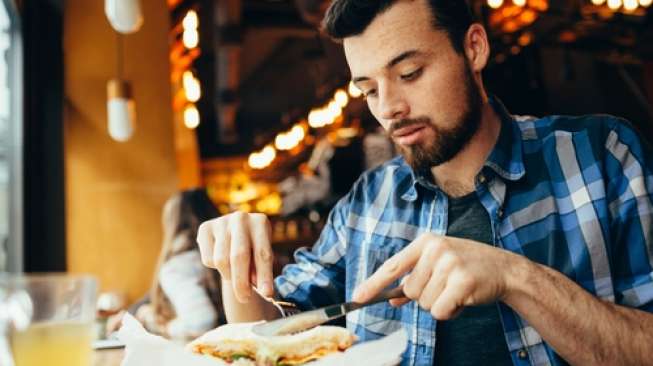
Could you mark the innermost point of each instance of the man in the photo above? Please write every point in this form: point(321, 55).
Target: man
point(517, 241)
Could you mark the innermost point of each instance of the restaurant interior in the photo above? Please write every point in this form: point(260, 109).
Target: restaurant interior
point(102, 121)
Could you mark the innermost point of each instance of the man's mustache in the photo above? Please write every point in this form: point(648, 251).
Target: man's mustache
point(408, 122)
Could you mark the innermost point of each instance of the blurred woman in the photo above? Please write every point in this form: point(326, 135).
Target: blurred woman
point(184, 299)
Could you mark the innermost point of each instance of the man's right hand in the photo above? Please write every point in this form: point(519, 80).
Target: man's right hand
point(238, 246)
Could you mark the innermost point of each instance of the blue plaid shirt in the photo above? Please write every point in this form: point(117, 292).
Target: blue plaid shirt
point(572, 193)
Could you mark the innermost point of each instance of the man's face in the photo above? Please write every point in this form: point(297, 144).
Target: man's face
point(416, 85)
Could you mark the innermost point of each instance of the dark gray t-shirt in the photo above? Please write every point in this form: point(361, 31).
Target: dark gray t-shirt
point(476, 336)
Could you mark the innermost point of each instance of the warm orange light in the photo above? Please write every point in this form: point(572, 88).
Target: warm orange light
point(525, 39)
point(528, 17)
point(645, 3)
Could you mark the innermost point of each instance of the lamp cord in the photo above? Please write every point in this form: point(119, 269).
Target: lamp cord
point(119, 55)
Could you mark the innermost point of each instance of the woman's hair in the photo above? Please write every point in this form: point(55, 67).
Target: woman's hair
point(347, 18)
point(182, 215)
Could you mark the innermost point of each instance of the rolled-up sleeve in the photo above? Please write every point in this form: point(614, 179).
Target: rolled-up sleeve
point(317, 278)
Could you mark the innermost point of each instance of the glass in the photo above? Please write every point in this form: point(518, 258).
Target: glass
point(47, 319)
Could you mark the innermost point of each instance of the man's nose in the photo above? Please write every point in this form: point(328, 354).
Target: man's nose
point(392, 104)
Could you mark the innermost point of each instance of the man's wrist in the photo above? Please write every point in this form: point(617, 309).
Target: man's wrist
point(520, 280)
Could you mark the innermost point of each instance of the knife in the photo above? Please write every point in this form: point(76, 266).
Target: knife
point(312, 318)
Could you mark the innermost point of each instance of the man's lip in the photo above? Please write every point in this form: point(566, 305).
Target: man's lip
point(405, 131)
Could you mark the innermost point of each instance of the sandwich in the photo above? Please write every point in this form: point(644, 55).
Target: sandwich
point(236, 344)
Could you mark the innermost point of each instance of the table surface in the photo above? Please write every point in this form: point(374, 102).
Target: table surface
point(108, 357)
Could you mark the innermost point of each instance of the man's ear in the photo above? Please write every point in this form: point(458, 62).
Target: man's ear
point(477, 47)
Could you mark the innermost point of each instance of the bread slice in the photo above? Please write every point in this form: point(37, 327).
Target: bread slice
point(237, 342)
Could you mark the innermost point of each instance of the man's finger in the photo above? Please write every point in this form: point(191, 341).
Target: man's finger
point(399, 302)
point(221, 248)
point(390, 271)
point(241, 252)
point(205, 243)
point(263, 256)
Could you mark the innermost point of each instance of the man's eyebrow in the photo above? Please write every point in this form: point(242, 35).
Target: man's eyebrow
point(401, 57)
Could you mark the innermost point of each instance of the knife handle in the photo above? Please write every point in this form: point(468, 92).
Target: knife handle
point(385, 295)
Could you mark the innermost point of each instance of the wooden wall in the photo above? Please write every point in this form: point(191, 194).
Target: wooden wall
point(115, 191)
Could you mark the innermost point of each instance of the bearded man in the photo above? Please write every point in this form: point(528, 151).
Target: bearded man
point(517, 240)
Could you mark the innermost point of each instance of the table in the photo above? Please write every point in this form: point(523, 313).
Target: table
point(108, 357)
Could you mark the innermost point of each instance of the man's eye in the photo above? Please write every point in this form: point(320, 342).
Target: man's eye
point(412, 75)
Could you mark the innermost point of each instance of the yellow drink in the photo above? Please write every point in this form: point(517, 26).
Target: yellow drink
point(53, 344)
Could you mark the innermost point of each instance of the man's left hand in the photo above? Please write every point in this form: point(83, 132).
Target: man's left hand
point(446, 274)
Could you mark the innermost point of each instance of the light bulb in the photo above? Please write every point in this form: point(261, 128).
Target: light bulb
point(631, 5)
point(519, 3)
point(192, 87)
point(353, 90)
point(645, 3)
point(191, 38)
point(191, 116)
point(598, 2)
point(125, 16)
point(191, 21)
point(341, 98)
point(494, 4)
point(614, 4)
point(121, 110)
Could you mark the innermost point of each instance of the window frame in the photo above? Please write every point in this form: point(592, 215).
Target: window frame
point(15, 242)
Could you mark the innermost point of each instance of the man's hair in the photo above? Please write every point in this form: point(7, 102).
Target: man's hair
point(346, 18)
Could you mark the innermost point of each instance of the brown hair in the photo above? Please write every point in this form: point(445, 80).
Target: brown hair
point(182, 215)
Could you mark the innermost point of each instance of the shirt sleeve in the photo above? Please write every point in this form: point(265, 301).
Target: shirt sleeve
point(317, 278)
point(629, 194)
point(181, 281)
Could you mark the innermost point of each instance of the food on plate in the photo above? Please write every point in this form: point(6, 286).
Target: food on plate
point(237, 344)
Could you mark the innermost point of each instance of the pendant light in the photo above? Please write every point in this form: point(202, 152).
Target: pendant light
point(125, 16)
point(121, 109)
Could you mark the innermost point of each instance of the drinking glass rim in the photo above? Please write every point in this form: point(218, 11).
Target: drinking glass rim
point(45, 277)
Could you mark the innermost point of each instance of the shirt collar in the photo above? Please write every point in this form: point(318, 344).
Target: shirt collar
point(506, 159)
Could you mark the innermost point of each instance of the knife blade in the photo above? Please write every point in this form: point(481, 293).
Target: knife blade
point(312, 318)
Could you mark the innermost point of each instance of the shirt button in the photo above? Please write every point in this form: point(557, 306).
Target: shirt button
point(522, 354)
point(481, 178)
point(500, 213)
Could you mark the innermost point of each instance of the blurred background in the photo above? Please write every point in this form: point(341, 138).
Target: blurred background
point(249, 101)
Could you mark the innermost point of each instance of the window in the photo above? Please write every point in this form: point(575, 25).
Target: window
point(10, 139)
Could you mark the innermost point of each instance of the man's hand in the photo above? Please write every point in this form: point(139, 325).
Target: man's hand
point(446, 274)
point(238, 246)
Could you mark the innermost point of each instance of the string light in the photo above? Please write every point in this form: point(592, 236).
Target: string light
point(598, 2)
point(341, 98)
point(353, 90)
point(191, 116)
point(192, 87)
point(614, 4)
point(495, 4)
point(645, 3)
point(519, 3)
point(630, 5)
point(190, 24)
point(262, 159)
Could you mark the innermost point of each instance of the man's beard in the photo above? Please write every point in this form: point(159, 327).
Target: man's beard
point(447, 142)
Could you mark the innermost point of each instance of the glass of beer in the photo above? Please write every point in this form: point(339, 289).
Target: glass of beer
point(48, 319)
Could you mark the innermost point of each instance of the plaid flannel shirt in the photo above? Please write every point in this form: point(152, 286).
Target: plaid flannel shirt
point(572, 193)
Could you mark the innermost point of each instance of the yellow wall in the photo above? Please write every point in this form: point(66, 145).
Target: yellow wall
point(115, 191)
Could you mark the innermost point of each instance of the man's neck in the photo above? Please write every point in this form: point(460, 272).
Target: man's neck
point(457, 176)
